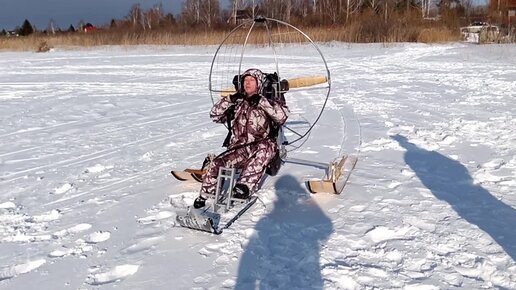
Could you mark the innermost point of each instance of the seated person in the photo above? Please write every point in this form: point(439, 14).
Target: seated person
point(250, 145)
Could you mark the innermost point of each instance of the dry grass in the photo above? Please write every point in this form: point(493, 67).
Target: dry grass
point(35, 42)
point(43, 47)
point(365, 29)
point(437, 34)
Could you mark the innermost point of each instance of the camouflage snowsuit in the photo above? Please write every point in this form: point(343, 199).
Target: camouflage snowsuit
point(250, 148)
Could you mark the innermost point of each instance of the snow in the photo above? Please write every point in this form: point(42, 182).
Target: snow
point(88, 137)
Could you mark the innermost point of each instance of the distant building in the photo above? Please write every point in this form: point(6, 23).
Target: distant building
point(240, 15)
point(88, 27)
point(12, 33)
point(505, 10)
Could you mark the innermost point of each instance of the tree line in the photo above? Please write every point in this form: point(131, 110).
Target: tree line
point(209, 14)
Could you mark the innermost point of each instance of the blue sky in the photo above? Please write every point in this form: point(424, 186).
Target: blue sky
point(66, 12)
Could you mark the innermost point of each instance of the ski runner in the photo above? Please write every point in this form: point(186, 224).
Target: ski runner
point(251, 143)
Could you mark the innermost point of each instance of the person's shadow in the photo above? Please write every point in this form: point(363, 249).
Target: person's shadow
point(284, 251)
point(450, 181)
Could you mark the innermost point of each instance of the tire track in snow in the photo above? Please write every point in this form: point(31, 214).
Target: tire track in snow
point(111, 122)
point(122, 181)
point(32, 130)
point(136, 175)
point(101, 154)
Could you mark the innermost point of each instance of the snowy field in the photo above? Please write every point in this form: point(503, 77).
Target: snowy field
point(88, 137)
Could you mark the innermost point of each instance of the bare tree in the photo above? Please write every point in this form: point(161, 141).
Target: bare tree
point(352, 6)
point(239, 5)
point(468, 7)
point(153, 16)
point(191, 13)
point(374, 4)
point(288, 9)
point(51, 28)
point(329, 11)
point(278, 9)
point(135, 16)
point(302, 7)
point(201, 12)
point(210, 12)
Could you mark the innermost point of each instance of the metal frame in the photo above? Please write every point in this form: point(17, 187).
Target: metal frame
point(266, 21)
point(224, 194)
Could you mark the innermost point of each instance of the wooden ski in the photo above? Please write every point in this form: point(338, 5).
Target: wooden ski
point(339, 174)
point(188, 174)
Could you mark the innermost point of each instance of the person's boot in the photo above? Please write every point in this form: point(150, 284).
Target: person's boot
point(241, 191)
point(199, 202)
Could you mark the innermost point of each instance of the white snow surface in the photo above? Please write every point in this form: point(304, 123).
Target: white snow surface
point(88, 137)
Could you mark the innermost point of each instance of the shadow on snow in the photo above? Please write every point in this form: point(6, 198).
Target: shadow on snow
point(450, 181)
point(284, 251)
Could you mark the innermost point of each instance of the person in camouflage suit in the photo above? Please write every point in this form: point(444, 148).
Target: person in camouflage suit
point(251, 147)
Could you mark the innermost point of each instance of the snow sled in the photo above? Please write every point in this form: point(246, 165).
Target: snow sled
point(222, 210)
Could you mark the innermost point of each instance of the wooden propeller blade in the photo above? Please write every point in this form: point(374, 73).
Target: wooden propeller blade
point(300, 82)
point(306, 81)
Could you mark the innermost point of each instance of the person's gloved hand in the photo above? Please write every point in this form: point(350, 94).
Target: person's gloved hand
point(236, 96)
point(254, 99)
